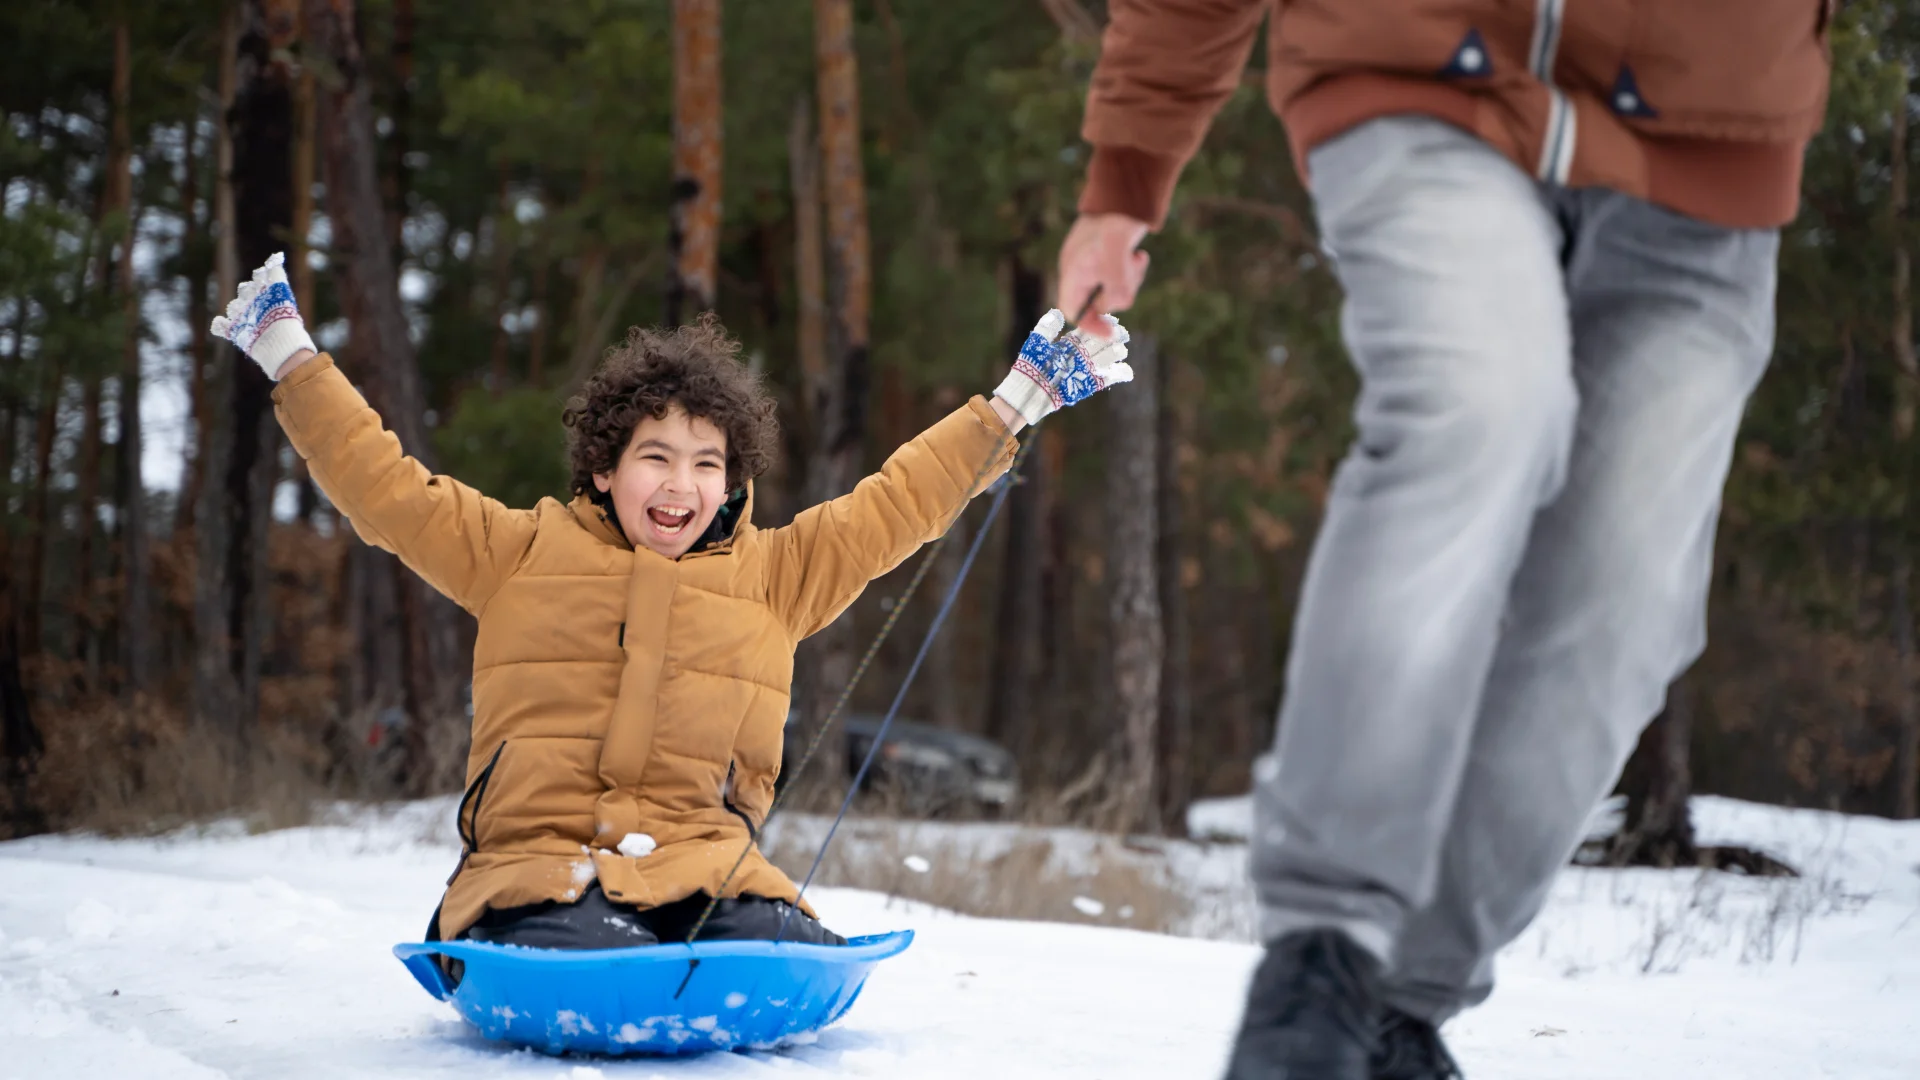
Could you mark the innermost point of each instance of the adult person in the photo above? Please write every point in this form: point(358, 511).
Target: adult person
point(1556, 226)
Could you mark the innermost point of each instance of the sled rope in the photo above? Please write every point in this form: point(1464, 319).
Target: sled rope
point(900, 695)
point(859, 672)
point(927, 561)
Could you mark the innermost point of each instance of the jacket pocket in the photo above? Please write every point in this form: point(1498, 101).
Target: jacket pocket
point(726, 800)
point(466, 816)
point(1751, 70)
point(539, 798)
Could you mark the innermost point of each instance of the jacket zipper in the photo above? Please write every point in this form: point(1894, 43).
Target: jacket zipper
point(726, 800)
point(476, 793)
point(1556, 143)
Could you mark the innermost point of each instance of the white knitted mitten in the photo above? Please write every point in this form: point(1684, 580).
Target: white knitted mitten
point(263, 320)
point(1055, 370)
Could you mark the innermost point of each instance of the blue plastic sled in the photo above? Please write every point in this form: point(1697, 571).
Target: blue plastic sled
point(743, 994)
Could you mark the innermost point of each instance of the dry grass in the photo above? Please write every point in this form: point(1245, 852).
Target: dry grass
point(146, 769)
point(118, 770)
point(999, 872)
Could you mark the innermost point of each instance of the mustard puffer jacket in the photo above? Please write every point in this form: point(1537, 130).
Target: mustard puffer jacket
point(617, 692)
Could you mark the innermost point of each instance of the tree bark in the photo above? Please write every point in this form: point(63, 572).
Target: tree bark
point(86, 526)
point(1021, 620)
point(809, 258)
point(1906, 772)
point(393, 182)
point(263, 200)
point(39, 517)
point(195, 270)
point(1906, 766)
point(384, 354)
point(216, 691)
point(694, 219)
point(500, 283)
point(1658, 782)
point(1176, 705)
point(20, 743)
point(944, 681)
point(136, 646)
point(813, 685)
point(1907, 384)
point(299, 270)
point(537, 340)
point(1133, 587)
point(840, 418)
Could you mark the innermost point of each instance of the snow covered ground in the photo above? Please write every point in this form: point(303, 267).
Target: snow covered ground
point(220, 954)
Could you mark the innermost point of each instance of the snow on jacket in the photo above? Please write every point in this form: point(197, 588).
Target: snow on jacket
point(620, 697)
point(1702, 106)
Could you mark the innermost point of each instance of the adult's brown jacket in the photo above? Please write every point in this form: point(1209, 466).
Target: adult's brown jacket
point(1702, 106)
point(615, 691)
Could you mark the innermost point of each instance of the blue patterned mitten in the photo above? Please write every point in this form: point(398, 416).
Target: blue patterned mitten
point(1055, 370)
point(263, 320)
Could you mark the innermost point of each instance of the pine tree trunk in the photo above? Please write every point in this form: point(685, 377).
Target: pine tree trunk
point(19, 739)
point(393, 181)
point(299, 269)
point(694, 226)
point(39, 516)
point(944, 680)
point(199, 342)
point(384, 355)
point(1176, 706)
point(263, 200)
point(1906, 765)
point(811, 685)
point(809, 258)
point(1906, 771)
point(86, 526)
point(136, 646)
point(500, 282)
point(216, 691)
point(1658, 782)
point(588, 284)
point(537, 340)
point(840, 419)
point(1020, 622)
point(1133, 587)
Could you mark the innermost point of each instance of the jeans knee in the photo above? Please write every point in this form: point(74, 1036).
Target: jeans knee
point(1504, 421)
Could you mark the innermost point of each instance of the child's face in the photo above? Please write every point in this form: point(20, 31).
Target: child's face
point(669, 482)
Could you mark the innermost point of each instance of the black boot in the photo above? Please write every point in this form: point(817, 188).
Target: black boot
point(1313, 1011)
point(1410, 1049)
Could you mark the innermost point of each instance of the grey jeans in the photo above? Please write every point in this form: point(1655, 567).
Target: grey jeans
point(1516, 553)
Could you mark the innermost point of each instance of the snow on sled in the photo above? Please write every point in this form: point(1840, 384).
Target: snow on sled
point(742, 994)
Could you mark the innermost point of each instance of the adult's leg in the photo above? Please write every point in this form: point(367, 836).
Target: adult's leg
point(1456, 319)
point(1673, 325)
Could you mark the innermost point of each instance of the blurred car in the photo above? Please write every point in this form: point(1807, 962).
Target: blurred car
point(925, 769)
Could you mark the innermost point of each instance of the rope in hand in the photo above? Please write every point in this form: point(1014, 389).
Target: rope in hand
point(859, 672)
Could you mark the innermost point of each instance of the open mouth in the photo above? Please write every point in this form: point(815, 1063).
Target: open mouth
point(669, 520)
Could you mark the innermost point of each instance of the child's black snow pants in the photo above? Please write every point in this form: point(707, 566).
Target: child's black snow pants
point(595, 922)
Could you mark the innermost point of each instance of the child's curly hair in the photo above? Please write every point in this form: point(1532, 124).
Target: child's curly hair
point(696, 367)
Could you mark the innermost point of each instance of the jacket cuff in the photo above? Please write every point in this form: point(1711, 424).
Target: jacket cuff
point(1123, 180)
point(320, 362)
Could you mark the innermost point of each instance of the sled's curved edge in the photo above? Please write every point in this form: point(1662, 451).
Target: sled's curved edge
point(418, 956)
point(420, 964)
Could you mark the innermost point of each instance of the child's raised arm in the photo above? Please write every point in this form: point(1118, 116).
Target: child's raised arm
point(825, 558)
point(463, 543)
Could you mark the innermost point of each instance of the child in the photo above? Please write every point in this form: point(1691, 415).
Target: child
point(634, 659)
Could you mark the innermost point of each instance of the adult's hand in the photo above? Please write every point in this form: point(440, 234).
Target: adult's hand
point(1101, 249)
